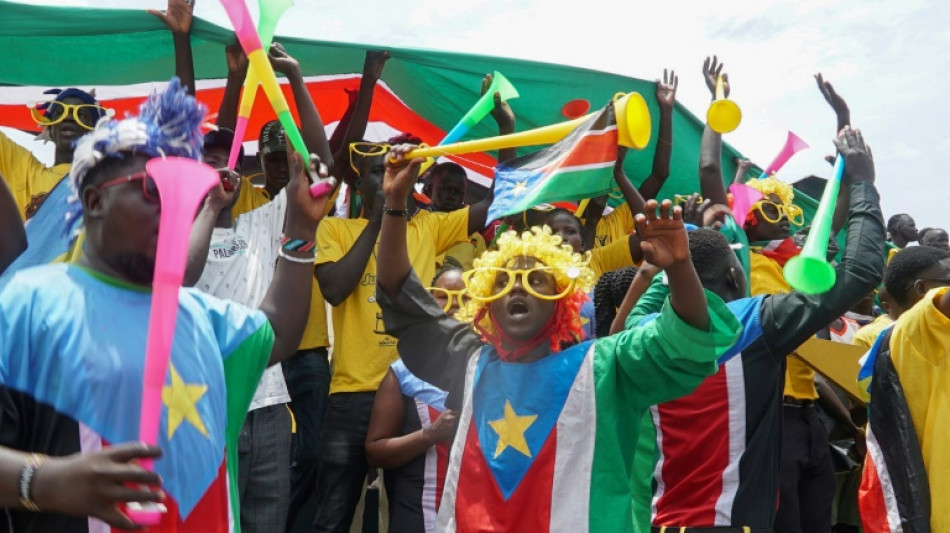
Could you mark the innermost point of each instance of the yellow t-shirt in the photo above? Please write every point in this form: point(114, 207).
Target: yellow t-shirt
point(614, 226)
point(767, 278)
point(464, 252)
point(316, 335)
point(920, 346)
point(866, 336)
point(361, 353)
point(26, 176)
point(610, 257)
point(249, 199)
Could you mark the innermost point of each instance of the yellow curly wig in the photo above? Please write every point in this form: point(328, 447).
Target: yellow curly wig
point(771, 185)
point(548, 248)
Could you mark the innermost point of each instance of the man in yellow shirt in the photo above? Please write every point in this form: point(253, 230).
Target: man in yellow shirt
point(911, 381)
point(68, 116)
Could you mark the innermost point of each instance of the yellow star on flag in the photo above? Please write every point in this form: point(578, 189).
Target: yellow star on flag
point(181, 399)
point(520, 187)
point(510, 430)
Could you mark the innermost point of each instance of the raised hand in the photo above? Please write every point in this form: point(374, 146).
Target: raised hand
point(304, 212)
point(282, 61)
point(666, 89)
point(442, 429)
point(663, 238)
point(177, 16)
point(712, 68)
point(374, 63)
point(858, 163)
point(95, 484)
point(401, 175)
point(501, 112)
point(237, 60)
point(831, 96)
point(742, 168)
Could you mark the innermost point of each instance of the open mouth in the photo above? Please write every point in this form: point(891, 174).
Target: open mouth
point(517, 307)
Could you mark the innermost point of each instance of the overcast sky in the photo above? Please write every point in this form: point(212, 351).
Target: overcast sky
point(889, 59)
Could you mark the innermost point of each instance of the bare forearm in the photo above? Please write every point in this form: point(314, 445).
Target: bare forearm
point(637, 289)
point(228, 110)
point(506, 154)
point(339, 279)
point(311, 125)
point(287, 302)
point(199, 244)
point(829, 400)
point(687, 295)
point(630, 193)
point(184, 66)
point(710, 168)
point(664, 145)
point(397, 451)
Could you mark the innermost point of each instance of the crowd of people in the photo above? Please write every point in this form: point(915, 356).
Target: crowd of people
point(387, 350)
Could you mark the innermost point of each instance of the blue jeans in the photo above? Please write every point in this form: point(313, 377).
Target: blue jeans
point(342, 464)
point(308, 381)
point(264, 469)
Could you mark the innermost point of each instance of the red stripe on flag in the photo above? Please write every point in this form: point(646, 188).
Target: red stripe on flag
point(441, 462)
point(209, 516)
point(592, 149)
point(480, 505)
point(692, 487)
point(871, 500)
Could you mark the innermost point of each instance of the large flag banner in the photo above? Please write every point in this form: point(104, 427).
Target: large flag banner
point(578, 166)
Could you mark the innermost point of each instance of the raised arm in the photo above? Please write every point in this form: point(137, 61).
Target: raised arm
point(237, 72)
point(356, 126)
point(12, 234)
point(794, 317)
point(505, 118)
point(311, 125)
point(843, 114)
point(642, 281)
point(710, 152)
point(665, 98)
point(178, 17)
point(666, 245)
point(386, 446)
point(287, 302)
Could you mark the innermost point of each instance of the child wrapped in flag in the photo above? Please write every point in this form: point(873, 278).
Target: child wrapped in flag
point(547, 427)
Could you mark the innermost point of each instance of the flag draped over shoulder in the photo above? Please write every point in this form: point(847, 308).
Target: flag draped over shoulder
point(578, 166)
point(894, 496)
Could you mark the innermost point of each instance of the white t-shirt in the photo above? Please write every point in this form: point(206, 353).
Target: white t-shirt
point(240, 267)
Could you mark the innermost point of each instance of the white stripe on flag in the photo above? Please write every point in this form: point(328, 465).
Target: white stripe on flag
point(658, 469)
point(430, 475)
point(735, 388)
point(574, 458)
point(887, 486)
point(446, 522)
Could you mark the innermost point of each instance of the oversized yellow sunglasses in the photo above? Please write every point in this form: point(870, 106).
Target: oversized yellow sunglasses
point(772, 212)
point(460, 295)
point(86, 115)
point(366, 149)
point(539, 281)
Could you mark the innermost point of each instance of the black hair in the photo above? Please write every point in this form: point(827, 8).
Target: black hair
point(561, 211)
point(710, 252)
point(894, 220)
point(448, 168)
point(906, 265)
point(609, 293)
point(106, 167)
point(450, 264)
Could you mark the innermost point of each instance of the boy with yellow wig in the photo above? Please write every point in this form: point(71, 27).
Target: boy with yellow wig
point(547, 426)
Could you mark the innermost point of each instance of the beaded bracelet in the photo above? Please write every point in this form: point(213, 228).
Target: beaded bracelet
point(292, 259)
point(395, 212)
point(296, 245)
point(33, 462)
